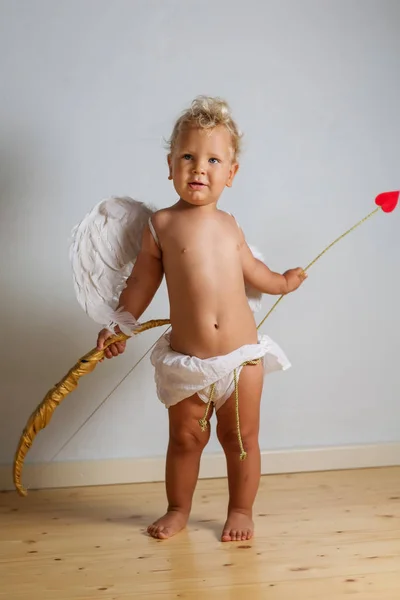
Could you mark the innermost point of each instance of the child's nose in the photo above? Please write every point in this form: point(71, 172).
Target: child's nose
point(199, 167)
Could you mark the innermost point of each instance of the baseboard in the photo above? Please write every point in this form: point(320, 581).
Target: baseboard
point(141, 470)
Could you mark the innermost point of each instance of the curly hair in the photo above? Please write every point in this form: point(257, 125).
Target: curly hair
point(207, 112)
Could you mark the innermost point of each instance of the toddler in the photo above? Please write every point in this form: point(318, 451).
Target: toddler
point(213, 356)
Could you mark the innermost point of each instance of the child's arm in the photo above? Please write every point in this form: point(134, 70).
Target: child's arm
point(260, 277)
point(145, 279)
point(141, 287)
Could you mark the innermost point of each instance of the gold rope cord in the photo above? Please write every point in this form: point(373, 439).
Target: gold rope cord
point(204, 423)
point(243, 453)
point(41, 416)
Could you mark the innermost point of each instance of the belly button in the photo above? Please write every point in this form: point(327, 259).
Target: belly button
point(216, 325)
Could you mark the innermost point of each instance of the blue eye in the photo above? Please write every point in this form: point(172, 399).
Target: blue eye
point(213, 160)
point(187, 156)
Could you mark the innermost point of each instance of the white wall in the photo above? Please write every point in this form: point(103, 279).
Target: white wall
point(88, 91)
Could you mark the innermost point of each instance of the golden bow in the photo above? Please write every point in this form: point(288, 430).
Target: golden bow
point(41, 416)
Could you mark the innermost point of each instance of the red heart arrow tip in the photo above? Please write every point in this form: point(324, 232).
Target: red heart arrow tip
point(387, 201)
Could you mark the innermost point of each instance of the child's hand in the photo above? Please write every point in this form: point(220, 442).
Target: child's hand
point(112, 350)
point(294, 278)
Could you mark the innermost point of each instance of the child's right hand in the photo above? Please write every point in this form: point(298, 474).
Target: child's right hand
point(112, 350)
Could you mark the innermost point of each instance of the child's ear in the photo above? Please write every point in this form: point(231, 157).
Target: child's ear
point(169, 158)
point(232, 172)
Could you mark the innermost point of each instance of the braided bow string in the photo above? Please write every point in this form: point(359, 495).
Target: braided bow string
point(41, 416)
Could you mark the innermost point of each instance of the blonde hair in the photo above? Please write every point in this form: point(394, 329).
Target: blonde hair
point(207, 112)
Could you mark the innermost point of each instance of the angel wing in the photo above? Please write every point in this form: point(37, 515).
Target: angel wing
point(254, 296)
point(103, 250)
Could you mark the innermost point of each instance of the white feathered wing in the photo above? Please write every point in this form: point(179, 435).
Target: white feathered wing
point(254, 296)
point(103, 250)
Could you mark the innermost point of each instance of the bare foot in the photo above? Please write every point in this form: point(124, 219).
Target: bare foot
point(238, 528)
point(171, 523)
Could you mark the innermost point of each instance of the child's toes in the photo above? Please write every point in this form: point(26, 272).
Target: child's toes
point(163, 533)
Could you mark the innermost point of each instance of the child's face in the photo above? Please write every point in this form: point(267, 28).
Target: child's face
point(201, 164)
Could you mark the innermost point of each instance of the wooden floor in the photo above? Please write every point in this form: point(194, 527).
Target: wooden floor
point(320, 536)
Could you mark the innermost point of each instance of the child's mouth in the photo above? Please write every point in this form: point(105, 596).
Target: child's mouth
point(196, 185)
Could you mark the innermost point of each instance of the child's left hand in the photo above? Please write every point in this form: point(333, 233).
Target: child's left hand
point(294, 278)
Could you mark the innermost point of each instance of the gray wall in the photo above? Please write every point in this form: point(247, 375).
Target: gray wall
point(89, 89)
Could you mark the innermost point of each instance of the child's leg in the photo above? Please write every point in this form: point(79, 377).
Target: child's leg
point(243, 475)
point(186, 444)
